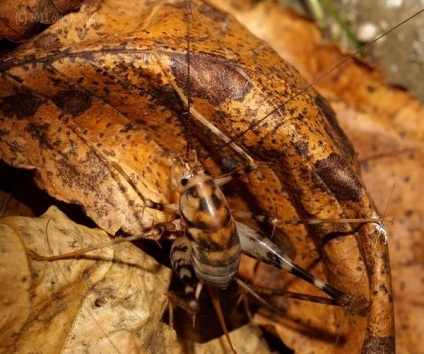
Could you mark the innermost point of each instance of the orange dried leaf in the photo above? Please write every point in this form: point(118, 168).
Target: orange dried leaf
point(385, 126)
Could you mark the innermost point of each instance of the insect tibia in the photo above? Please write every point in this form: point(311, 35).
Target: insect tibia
point(155, 233)
point(246, 215)
point(330, 221)
point(355, 305)
point(223, 179)
point(259, 293)
point(256, 246)
point(164, 207)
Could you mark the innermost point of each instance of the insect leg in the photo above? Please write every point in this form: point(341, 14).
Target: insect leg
point(155, 233)
point(181, 264)
point(274, 221)
point(225, 178)
point(257, 246)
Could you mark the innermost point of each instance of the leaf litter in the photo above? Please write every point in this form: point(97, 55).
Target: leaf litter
point(73, 107)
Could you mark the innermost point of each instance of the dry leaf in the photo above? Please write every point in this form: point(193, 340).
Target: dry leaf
point(74, 101)
point(111, 300)
point(385, 125)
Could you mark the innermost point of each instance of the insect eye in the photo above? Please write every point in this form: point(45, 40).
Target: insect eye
point(183, 181)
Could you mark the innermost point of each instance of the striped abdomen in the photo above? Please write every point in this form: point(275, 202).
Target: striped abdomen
point(211, 230)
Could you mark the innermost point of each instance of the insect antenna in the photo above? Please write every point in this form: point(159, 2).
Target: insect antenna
point(197, 165)
point(187, 125)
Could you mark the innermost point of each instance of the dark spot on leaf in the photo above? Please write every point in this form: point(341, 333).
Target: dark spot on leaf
point(339, 178)
point(21, 106)
point(371, 89)
point(211, 77)
point(40, 133)
point(73, 102)
point(47, 41)
point(99, 302)
point(302, 148)
point(212, 13)
point(128, 127)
